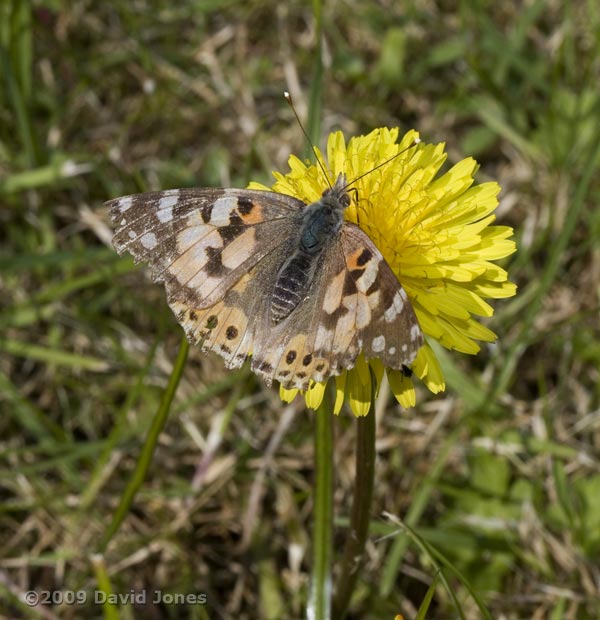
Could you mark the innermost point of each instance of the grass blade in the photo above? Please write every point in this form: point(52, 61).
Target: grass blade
point(319, 603)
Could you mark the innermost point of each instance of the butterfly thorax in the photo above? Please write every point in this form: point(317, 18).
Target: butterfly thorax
point(321, 222)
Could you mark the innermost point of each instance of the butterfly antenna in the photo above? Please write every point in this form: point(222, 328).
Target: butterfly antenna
point(288, 98)
point(383, 163)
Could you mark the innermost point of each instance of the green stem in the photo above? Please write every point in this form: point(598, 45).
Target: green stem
point(319, 603)
point(361, 511)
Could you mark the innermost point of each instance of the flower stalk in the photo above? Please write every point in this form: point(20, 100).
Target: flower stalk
point(319, 603)
point(361, 510)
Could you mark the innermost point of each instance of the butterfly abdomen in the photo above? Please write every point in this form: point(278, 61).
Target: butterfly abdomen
point(291, 285)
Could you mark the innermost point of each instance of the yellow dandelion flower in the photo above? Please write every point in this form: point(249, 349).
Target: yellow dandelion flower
point(435, 234)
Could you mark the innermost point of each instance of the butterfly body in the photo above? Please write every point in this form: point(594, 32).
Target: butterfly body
point(262, 274)
point(321, 223)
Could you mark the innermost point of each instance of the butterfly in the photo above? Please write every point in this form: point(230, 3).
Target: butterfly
point(260, 274)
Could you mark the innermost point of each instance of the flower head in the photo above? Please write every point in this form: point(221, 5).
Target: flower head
point(434, 233)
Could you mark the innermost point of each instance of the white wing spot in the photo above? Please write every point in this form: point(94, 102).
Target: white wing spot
point(363, 312)
point(188, 237)
point(131, 234)
point(222, 209)
point(239, 250)
point(369, 276)
point(346, 325)
point(378, 344)
point(374, 299)
point(194, 253)
point(392, 351)
point(333, 295)
point(124, 204)
point(202, 285)
point(404, 348)
point(165, 215)
point(323, 337)
point(165, 207)
point(415, 332)
point(395, 309)
point(149, 241)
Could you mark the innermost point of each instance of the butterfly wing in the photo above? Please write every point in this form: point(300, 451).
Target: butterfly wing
point(201, 241)
point(213, 249)
point(392, 332)
point(356, 304)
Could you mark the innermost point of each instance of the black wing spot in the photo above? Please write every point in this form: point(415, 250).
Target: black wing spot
point(307, 359)
point(205, 213)
point(245, 205)
point(233, 230)
point(331, 320)
point(364, 258)
point(214, 265)
point(193, 315)
point(320, 366)
point(231, 332)
point(265, 367)
point(235, 219)
point(290, 357)
point(374, 287)
point(212, 321)
point(350, 283)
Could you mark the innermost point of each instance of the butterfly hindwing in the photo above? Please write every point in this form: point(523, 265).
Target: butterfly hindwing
point(238, 322)
point(227, 327)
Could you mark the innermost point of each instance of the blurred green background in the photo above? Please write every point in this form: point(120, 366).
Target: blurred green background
point(99, 100)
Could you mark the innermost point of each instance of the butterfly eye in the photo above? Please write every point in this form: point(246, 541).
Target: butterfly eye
point(355, 196)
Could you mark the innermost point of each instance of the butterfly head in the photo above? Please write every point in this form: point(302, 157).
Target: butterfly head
point(337, 196)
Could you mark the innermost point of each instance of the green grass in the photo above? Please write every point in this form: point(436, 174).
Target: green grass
point(486, 496)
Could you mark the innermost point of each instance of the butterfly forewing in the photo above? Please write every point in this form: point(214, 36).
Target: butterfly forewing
point(201, 241)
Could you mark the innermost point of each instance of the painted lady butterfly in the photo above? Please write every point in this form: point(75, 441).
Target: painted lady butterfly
point(263, 274)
